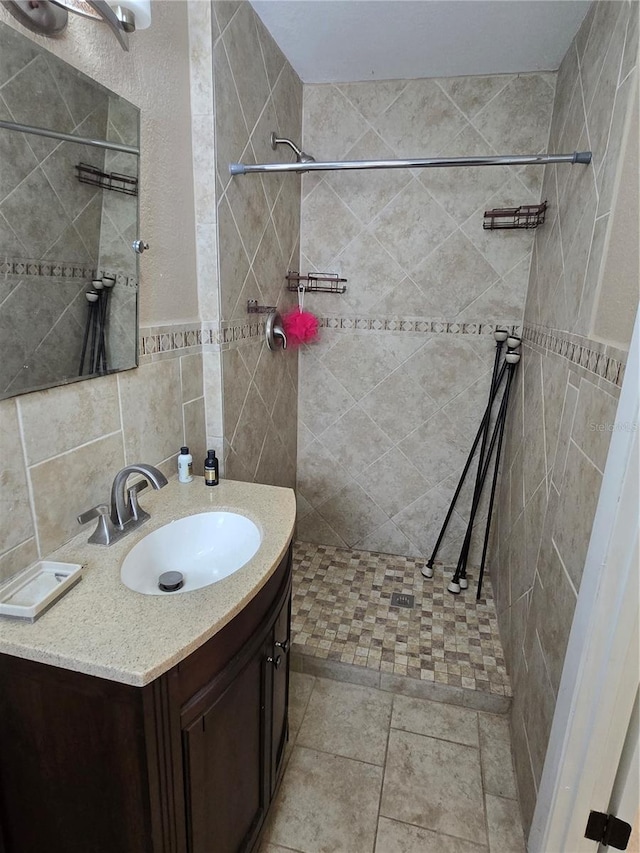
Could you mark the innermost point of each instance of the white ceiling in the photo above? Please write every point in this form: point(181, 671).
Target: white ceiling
point(339, 41)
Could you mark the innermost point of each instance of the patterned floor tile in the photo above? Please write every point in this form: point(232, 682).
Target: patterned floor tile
point(342, 612)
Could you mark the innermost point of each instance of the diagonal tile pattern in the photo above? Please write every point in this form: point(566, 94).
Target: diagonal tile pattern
point(568, 392)
point(411, 245)
point(255, 92)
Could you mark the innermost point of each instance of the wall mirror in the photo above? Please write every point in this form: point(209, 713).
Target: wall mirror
point(68, 218)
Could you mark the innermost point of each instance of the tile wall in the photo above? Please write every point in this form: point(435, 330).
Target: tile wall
point(258, 218)
point(62, 447)
point(391, 397)
point(559, 432)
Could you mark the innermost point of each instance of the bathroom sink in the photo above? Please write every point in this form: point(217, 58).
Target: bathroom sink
point(203, 549)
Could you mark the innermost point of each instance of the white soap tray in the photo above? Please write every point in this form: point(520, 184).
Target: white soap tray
point(35, 590)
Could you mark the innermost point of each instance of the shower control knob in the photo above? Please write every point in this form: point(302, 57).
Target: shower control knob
point(139, 246)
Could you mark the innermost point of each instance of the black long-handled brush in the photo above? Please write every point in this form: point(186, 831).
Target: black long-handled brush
point(92, 299)
point(454, 585)
point(500, 336)
point(513, 343)
point(512, 359)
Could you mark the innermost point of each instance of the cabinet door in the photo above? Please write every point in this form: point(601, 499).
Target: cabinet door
point(224, 751)
point(280, 691)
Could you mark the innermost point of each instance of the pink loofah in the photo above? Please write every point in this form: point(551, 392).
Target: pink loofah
point(300, 327)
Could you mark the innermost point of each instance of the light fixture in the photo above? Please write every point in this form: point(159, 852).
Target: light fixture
point(49, 17)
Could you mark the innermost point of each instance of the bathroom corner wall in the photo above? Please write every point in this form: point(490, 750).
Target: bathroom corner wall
point(581, 303)
point(258, 219)
point(391, 397)
point(62, 447)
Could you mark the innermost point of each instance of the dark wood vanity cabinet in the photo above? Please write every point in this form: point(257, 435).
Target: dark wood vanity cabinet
point(187, 764)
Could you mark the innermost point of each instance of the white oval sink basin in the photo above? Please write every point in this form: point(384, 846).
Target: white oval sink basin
point(204, 548)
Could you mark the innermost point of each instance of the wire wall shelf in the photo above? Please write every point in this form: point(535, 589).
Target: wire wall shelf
point(106, 180)
point(525, 216)
point(316, 282)
point(254, 308)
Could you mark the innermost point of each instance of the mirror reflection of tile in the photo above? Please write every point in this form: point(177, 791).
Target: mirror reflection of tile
point(57, 234)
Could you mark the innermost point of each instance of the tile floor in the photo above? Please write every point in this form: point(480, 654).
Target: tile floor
point(342, 613)
point(370, 771)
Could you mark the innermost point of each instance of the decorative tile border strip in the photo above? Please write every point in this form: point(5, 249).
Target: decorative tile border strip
point(602, 360)
point(61, 269)
point(413, 324)
point(155, 340)
point(234, 333)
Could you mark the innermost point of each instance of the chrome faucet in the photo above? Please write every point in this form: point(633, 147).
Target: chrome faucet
point(125, 514)
point(124, 505)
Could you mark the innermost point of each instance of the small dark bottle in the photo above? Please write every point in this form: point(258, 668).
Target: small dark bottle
point(211, 469)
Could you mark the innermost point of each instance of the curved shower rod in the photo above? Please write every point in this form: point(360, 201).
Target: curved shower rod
point(583, 157)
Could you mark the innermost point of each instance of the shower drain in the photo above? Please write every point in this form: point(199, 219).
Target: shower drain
point(401, 599)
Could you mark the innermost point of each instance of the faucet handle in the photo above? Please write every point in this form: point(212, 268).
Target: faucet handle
point(103, 534)
point(137, 513)
point(94, 512)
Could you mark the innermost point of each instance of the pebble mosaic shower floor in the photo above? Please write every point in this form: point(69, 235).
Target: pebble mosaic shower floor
point(342, 612)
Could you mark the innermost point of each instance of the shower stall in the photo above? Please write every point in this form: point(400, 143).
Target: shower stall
point(392, 394)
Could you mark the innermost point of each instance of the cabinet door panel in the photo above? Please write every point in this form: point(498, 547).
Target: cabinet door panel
point(224, 756)
point(279, 723)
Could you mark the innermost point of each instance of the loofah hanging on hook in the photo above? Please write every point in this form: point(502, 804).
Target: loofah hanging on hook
point(300, 327)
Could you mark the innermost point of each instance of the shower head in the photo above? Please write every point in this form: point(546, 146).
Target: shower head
point(301, 156)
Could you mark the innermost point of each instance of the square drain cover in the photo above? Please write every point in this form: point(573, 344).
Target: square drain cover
point(400, 599)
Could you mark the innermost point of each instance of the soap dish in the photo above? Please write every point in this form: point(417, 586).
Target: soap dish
point(35, 590)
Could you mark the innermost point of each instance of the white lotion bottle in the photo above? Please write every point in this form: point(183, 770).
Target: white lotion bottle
point(185, 466)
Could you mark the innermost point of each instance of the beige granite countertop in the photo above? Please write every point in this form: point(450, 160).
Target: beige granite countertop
point(102, 628)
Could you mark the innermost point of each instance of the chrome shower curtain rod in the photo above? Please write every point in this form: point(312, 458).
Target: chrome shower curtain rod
point(426, 163)
point(70, 137)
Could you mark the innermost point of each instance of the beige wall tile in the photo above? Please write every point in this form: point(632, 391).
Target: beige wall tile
point(355, 441)
point(70, 484)
point(195, 433)
point(614, 311)
point(553, 604)
point(393, 482)
point(18, 558)
point(191, 377)
point(313, 528)
point(16, 522)
point(75, 414)
point(352, 514)
point(421, 522)
point(594, 422)
point(388, 539)
point(151, 411)
point(319, 476)
point(576, 510)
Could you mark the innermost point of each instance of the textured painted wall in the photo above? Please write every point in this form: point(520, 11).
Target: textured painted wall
point(390, 399)
point(258, 220)
point(559, 432)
